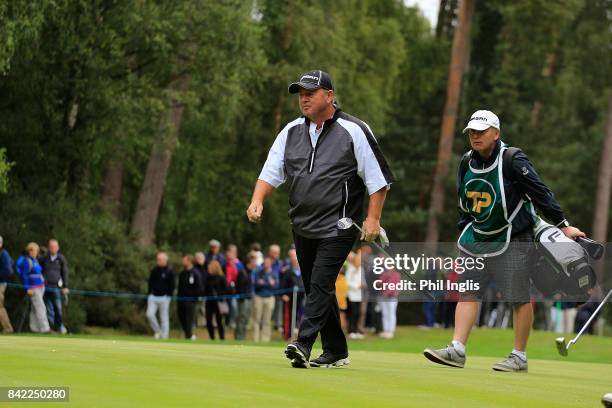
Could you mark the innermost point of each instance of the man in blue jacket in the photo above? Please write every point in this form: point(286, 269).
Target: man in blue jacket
point(6, 270)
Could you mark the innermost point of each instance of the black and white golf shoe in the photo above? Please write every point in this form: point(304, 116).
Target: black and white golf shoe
point(297, 354)
point(328, 360)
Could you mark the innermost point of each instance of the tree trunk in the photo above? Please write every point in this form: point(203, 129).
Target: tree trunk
point(278, 112)
point(445, 148)
point(446, 16)
point(604, 186)
point(285, 41)
point(441, 18)
point(151, 194)
point(547, 72)
point(112, 186)
point(551, 63)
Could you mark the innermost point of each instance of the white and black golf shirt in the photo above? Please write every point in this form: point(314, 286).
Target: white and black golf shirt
point(327, 173)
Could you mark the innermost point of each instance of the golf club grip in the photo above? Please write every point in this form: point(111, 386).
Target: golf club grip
point(594, 248)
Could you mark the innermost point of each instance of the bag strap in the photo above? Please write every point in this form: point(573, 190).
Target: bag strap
point(463, 168)
point(507, 158)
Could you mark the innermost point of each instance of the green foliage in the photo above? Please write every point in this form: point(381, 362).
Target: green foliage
point(5, 167)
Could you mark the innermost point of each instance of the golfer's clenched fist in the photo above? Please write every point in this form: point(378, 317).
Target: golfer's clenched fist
point(254, 212)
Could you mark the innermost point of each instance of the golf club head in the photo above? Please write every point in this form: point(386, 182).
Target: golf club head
point(384, 240)
point(606, 400)
point(344, 223)
point(561, 346)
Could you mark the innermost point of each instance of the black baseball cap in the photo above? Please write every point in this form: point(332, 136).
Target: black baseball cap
point(312, 80)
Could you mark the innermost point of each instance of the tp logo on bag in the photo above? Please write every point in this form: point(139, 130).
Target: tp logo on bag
point(479, 199)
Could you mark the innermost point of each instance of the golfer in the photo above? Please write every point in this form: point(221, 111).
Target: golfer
point(496, 208)
point(328, 159)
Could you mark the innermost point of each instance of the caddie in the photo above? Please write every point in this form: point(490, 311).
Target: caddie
point(498, 190)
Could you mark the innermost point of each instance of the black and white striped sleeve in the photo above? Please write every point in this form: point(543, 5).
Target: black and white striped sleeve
point(372, 166)
point(273, 171)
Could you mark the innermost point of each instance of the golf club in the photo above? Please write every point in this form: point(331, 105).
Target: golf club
point(562, 346)
point(347, 222)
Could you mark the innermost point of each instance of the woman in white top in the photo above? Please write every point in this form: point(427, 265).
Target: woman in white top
point(354, 278)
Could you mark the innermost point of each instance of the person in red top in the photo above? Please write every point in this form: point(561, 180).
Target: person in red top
point(233, 266)
point(388, 302)
point(450, 300)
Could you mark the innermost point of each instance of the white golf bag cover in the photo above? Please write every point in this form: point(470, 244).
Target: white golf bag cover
point(562, 266)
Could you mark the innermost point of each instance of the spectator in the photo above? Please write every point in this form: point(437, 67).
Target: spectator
point(290, 279)
point(216, 287)
point(33, 281)
point(429, 308)
point(55, 271)
point(189, 288)
point(200, 266)
point(370, 317)
point(244, 289)
point(233, 265)
point(354, 280)
point(388, 303)
point(564, 316)
point(342, 296)
point(161, 288)
point(6, 270)
point(584, 313)
point(450, 300)
point(214, 254)
point(256, 248)
point(263, 303)
point(232, 268)
point(274, 252)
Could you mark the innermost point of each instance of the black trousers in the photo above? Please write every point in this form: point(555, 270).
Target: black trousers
point(186, 314)
point(212, 307)
point(320, 262)
point(353, 316)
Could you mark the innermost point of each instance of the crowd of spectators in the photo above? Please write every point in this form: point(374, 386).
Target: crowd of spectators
point(256, 293)
point(44, 275)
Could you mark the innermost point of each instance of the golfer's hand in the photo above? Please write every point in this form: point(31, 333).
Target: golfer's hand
point(285, 298)
point(65, 291)
point(371, 229)
point(573, 232)
point(254, 212)
point(30, 292)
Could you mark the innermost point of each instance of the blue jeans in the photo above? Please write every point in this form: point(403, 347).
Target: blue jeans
point(429, 312)
point(53, 302)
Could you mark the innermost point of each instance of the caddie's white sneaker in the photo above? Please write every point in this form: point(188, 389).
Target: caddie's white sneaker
point(512, 363)
point(448, 356)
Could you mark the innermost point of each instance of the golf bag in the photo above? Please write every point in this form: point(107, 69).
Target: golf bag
point(563, 265)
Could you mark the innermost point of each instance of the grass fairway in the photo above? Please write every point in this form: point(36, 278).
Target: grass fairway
point(129, 371)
